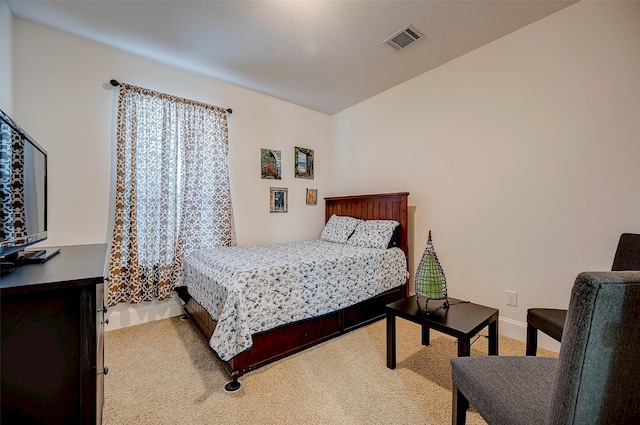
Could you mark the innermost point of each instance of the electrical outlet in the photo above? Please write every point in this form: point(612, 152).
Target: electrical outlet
point(511, 298)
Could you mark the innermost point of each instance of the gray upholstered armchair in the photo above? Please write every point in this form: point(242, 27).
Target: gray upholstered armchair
point(595, 380)
point(551, 320)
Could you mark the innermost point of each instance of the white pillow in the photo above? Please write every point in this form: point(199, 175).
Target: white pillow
point(373, 234)
point(339, 228)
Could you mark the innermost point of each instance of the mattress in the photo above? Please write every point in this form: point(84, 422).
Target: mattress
point(257, 288)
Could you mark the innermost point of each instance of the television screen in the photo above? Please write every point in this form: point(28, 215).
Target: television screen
point(23, 188)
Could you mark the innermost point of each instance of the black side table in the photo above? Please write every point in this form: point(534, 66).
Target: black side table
point(462, 320)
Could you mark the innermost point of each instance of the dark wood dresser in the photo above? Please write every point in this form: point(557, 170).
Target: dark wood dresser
point(51, 339)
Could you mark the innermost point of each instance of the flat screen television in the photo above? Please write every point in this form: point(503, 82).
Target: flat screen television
point(23, 189)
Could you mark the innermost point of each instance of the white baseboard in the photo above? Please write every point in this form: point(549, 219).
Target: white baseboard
point(124, 315)
point(518, 330)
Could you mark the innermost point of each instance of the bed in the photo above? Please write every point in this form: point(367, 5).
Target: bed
point(211, 281)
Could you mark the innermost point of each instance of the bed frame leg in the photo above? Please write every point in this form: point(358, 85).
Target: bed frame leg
point(233, 385)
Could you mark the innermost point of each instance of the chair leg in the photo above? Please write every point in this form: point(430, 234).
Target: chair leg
point(459, 408)
point(532, 340)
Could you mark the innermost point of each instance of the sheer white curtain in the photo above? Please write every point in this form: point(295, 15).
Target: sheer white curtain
point(172, 191)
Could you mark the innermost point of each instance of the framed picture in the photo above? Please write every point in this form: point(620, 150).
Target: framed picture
point(270, 164)
point(278, 199)
point(312, 196)
point(303, 163)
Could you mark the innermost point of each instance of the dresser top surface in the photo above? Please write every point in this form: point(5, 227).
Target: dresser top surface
point(74, 266)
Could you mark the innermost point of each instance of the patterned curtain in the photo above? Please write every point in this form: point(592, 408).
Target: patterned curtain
point(12, 202)
point(172, 191)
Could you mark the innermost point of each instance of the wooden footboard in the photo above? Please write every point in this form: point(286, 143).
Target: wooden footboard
point(291, 338)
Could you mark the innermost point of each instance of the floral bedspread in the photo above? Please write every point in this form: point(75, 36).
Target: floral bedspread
point(252, 289)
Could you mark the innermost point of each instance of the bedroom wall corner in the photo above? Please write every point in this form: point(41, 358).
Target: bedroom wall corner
point(520, 156)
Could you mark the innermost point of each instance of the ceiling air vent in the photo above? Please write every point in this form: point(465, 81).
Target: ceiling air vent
point(403, 38)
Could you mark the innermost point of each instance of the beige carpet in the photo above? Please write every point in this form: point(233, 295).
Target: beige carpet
point(164, 373)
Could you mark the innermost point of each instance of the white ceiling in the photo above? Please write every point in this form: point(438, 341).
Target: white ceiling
point(324, 55)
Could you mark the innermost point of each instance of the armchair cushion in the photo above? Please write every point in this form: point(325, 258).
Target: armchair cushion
point(549, 320)
point(506, 390)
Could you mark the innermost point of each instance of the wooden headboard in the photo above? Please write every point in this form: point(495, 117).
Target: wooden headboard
point(382, 206)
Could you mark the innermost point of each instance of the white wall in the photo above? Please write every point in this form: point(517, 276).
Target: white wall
point(62, 97)
point(522, 157)
point(6, 58)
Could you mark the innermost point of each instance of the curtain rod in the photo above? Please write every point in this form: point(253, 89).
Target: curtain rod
point(115, 83)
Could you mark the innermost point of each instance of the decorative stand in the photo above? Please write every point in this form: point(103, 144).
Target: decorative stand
point(430, 281)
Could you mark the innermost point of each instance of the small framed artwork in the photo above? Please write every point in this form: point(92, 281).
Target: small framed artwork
point(270, 164)
point(303, 163)
point(312, 196)
point(278, 199)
